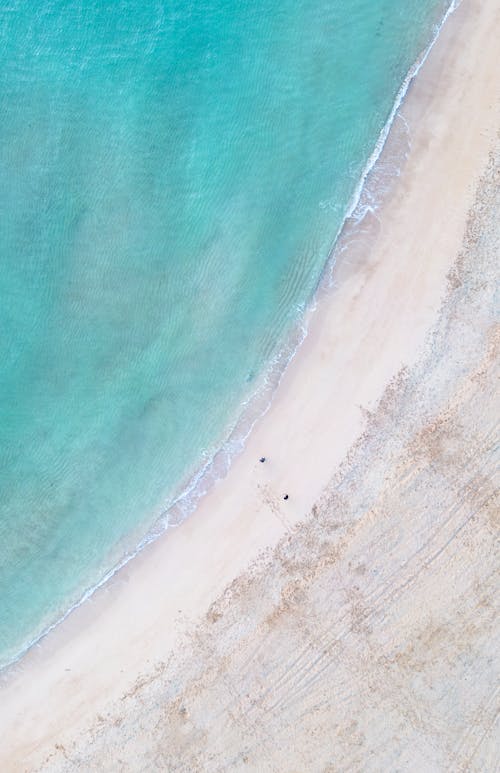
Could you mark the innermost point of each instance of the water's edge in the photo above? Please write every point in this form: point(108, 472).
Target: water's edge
point(258, 403)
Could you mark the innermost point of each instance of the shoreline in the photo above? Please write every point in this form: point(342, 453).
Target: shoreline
point(236, 532)
point(263, 395)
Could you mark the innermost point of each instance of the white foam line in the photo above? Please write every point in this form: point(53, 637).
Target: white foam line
point(162, 524)
point(382, 139)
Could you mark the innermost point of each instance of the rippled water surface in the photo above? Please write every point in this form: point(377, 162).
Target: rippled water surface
point(172, 178)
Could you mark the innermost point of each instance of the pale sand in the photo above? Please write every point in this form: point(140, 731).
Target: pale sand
point(364, 641)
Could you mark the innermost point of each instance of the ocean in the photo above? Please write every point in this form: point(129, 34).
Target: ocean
point(173, 176)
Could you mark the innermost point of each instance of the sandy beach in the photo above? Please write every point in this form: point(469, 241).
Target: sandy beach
point(350, 627)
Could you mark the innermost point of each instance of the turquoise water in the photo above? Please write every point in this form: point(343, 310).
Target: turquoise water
point(172, 178)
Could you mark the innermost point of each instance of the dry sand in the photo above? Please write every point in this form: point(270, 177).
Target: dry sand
point(350, 628)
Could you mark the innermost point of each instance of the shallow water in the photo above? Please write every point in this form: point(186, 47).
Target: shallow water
point(172, 179)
